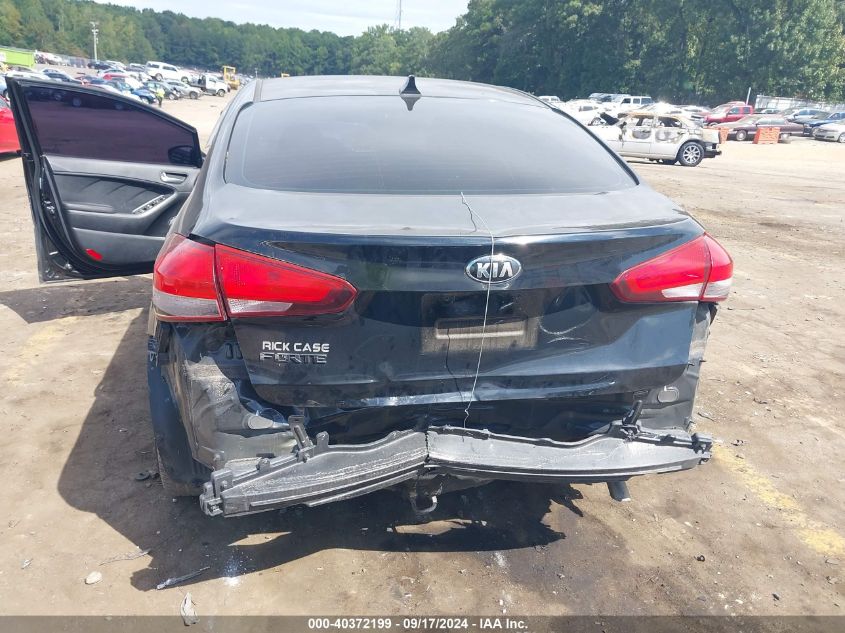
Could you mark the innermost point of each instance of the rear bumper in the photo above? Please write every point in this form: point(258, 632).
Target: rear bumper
point(711, 150)
point(319, 473)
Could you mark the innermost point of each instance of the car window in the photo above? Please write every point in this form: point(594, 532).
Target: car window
point(647, 100)
point(441, 146)
point(668, 121)
point(104, 128)
point(733, 111)
point(626, 100)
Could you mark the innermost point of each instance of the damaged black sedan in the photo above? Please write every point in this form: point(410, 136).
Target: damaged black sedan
point(374, 282)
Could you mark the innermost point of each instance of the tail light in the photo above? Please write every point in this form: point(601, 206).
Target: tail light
point(183, 282)
point(700, 270)
point(253, 285)
point(198, 282)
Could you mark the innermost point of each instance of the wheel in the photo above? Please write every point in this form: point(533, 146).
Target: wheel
point(158, 77)
point(741, 135)
point(172, 96)
point(668, 161)
point(841, 138)
point(184, 80)
point(785, 138)
point(596, 121)
point(195, 95)
point(690, 154)
point(221, 92)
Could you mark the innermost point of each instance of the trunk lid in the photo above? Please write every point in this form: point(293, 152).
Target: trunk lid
point(413, 335)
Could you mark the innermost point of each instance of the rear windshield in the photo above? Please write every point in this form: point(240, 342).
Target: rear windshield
point(375, 144)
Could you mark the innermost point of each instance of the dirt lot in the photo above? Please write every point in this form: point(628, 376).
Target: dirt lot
point(758, 530)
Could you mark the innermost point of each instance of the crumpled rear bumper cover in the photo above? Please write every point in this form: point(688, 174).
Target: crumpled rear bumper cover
point(319, 473)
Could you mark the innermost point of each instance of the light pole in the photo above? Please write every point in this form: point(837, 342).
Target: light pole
point(94, 31)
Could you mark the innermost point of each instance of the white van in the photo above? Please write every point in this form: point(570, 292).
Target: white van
point(160, 71)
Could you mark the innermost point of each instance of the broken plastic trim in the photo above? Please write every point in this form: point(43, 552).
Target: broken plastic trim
point(316, 473)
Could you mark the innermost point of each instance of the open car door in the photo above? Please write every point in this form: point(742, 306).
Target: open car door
point(106, 176)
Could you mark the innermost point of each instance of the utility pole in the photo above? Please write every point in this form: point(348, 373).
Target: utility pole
point(398, 21)
point(94, 32)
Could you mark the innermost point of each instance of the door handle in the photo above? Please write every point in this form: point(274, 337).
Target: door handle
point(173, 178)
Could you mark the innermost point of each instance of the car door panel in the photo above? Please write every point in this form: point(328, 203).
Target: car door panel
point(106, 177)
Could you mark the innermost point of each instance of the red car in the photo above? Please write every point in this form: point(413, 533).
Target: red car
point(8, 132)
point(114, 75)
point(728, 113)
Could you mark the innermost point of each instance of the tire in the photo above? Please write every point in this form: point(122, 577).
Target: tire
point(596, 121)
point(158, 77)
point(841, 138)
point(172, 96)
point(221, 93)
point(741, 135)
point(785, 138)
point(184, 80)
point(690, 154)
point(194, 95)
point(172, 487)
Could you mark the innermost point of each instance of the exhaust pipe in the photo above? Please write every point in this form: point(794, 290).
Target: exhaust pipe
point(619, 490)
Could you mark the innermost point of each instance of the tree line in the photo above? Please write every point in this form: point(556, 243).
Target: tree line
point(678, 50)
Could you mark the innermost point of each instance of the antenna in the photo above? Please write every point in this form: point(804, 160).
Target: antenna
point(410, 93)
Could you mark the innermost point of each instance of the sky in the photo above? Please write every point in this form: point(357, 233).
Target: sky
point(344, 17)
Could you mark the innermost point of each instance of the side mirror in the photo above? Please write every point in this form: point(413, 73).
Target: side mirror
point(184, 155)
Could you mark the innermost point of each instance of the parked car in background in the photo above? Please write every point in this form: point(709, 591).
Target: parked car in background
point(47, 58)
point(137, 68)
point(552, 100)
point(117, 65)
point(191, 92)
point(160, 71)
point(822, 119)
point(696, 113)
point(804, 114)
point(728, 113)
point(169, 91)
point(213, 84)
point(60, 75)
point(22, 72)
point(142, 94)
point(667, 138)
point(4, 89)
point(282, 371)
point(8, 132)
point(830, 132)
point(621, 104)
point(99, 65)
point(129, 79)
point(747, 126)
point(583, 110)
